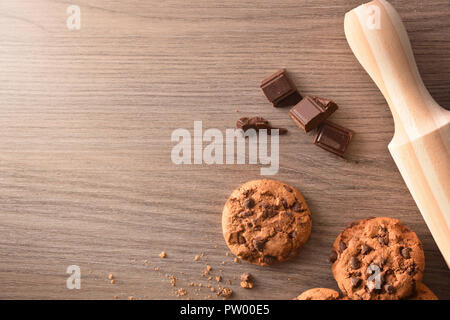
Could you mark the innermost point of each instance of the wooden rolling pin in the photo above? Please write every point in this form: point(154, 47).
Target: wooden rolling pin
point(421, 143)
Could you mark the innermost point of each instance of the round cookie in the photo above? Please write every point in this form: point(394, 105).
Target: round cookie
point(265, 221)
point(423, 293)
point(377, 259)
point(319, 294)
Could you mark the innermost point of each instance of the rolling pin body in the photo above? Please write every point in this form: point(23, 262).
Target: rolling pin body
point(421, 143)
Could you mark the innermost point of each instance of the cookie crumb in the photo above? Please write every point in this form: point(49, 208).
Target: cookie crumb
point(236, 260)
point(173, 280)
point(218, 278)
point(207, 269)
point(163, 255)
point(112, 281)
point(225, 293)
point(246, 281)
point(196, 258)
point(181, 292)
point(130, 298)
point(116, 297)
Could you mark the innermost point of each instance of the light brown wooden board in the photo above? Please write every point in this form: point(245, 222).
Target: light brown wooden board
point(86, 119)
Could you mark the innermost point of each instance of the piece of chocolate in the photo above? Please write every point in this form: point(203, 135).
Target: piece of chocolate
point(312, 111)
point(257, 123)
point(280, 90)
point(333, 138)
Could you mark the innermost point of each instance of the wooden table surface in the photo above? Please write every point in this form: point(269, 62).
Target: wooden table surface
point(86, 118)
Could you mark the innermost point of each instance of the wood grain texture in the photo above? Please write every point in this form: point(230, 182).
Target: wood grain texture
point(86, 119)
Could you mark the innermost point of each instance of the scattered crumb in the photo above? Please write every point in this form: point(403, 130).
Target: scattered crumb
point(223, 263)
point(209, 278)
point(181, 292)
point(163, 255)
point(212, 289)
point(110, 276)
point(116, 297)
point(237, 260)
point(246, 281)
point(227, 254)
point(173, 280)
point(156, 269)
point(218, 278)
point(225, 293)
point(130, 298)
point(112, 281)
point(202, 254)
point(208, 269)
point(196, 258)
point(236, 110)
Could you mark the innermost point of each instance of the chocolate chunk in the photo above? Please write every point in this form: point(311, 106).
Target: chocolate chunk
point(259, 244)
point(249, 203)
point(365, 249)
point(278, 89)
point(243, 123)
point(233, 238)
point(333, 257)
point(258, 123)
point(412, 269)
point(354, 262)
point(241, 239)
point(389, 288)
point(288, 189)
point(269, 259)
point(269, 213)
point(284, 203)
point(293, 234)
point(342, 246)
point(383, 240)
point(405, 253)
point(312, 111)
point(333, 138)
point(355, 282)
point(297, 207)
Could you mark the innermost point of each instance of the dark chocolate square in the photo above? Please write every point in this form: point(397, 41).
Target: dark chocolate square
point(333, 138)
point(312, 111)
point(278, 87)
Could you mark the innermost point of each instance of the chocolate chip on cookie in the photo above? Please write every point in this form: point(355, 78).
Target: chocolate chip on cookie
point(388, 255)
point(276, 223)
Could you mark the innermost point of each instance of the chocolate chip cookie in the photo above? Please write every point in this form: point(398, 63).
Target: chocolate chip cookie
point(423, 293)
point(319, 294)
point(378, 258)
point(265, 221)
